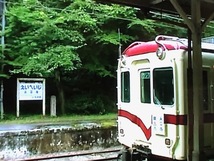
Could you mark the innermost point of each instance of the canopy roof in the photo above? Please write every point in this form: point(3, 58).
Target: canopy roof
point(165, 6)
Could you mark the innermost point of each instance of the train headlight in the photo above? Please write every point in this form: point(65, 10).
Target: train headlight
point(160, 53)
point(123, 61)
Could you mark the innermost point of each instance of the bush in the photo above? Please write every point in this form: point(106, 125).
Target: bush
point(90, 104)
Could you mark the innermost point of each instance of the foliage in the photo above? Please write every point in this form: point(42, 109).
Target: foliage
point(209, 30)
point(40, 35)
point(44, 64)
point(43, 41)
point(88, 104)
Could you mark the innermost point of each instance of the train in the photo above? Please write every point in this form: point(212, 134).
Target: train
point(152, 99)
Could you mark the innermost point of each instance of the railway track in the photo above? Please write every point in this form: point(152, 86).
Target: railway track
point(109, 154)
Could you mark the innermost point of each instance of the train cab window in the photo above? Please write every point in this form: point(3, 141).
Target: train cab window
point(125, 87)
point(163, 87)
point(145, 87)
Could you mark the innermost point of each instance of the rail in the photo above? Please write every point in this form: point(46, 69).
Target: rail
point(77, 154)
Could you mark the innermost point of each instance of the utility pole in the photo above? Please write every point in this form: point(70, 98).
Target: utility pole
point(2, 12)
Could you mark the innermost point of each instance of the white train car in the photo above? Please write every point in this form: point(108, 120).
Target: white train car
point(153, 99)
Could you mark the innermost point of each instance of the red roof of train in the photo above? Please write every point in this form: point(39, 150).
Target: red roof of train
point(138, 48)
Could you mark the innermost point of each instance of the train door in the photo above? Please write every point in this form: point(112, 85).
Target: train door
point(145, 107)
point(163, 109)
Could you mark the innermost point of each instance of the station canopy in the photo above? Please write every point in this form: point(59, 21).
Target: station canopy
point(166, 6)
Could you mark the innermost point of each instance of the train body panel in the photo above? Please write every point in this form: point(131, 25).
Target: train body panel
point(153, 98)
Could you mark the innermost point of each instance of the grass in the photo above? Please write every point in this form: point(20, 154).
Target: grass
point(106, 119)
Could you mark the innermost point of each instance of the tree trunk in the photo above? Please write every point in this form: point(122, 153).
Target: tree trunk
point(60, 91)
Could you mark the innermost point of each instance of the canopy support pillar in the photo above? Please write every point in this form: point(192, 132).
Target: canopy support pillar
point(198, 144)
point(196, 28)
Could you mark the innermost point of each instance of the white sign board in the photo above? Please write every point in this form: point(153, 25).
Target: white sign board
point(30, 89)
point(158, 124)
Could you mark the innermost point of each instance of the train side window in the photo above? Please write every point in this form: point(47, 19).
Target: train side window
point(205, 90)
point(163, 86)
point(125, 87)
point(145, 87)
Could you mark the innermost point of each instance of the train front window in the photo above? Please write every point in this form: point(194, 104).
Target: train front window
point(163, 86)
point(125, 87)
point(145, 87)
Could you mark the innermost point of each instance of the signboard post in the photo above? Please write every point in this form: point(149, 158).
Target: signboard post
point(30, 89)
point(53, 105)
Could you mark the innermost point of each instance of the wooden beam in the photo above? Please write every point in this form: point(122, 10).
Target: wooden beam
point(156, 1)
point(182, 14)
point(209, 1)
point(207, 20)
point(197, 154)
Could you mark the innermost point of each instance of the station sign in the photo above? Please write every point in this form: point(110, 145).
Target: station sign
point(30, 89)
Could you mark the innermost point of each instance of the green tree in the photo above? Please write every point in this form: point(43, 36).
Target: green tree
point(41, 42)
